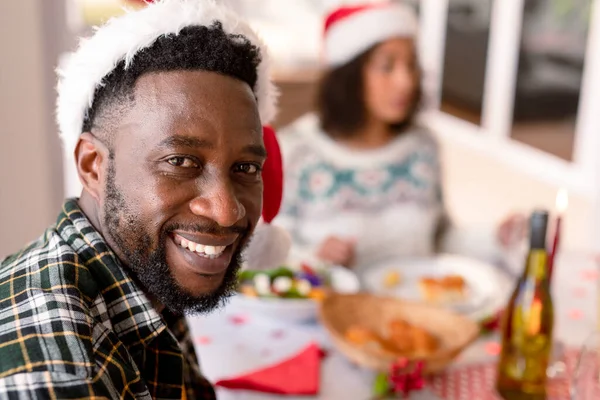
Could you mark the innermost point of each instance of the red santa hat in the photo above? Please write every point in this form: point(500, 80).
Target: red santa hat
point(272, 175)
point(270, 243)
point(352, 30)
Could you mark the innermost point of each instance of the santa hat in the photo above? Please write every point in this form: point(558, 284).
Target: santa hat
point(121, 38)
point(270, 244)
point(272, 175)
point(352, 30)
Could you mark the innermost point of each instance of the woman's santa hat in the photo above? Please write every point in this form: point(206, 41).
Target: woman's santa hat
point(121, 38)
point(352, 30)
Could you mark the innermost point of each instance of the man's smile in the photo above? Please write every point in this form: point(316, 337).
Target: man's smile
point(205, 254)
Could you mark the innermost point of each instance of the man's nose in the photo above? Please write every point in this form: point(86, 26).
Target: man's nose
point(218, 202)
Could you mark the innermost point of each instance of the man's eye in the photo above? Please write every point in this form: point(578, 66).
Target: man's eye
point(183, 162)
point(248, 168)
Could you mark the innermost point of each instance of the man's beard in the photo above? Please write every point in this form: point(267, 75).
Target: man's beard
point(149, 267)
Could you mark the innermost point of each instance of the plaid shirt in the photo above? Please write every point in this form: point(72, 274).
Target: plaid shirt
point(73, 325)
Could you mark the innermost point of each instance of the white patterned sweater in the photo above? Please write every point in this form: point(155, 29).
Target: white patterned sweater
point(388, 199)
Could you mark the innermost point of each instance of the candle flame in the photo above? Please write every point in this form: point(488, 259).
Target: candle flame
point(562, 200)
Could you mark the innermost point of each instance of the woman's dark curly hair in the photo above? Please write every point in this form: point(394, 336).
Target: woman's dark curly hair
point(340, 99)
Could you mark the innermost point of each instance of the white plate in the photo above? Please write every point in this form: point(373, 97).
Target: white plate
point(297, 310)
point(488, 288)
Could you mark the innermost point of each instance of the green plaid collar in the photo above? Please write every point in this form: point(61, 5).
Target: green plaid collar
point(131, 314)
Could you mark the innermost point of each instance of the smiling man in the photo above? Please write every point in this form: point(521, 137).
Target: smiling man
point(163, 109)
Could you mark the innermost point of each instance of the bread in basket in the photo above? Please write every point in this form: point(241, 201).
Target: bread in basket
point(339, 312)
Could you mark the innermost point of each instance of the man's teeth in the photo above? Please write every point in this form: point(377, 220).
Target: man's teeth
point(203, 250)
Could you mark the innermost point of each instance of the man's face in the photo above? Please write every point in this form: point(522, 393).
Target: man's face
point(183, 187)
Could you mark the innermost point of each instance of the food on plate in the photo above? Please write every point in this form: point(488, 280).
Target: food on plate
point(306, 282)
point(248, 290)
point(449, 288)
point(283, 284)
point(317, 294)
point(391, 279)
point(400, 337)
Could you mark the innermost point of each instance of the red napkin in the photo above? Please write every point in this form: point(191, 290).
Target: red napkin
point(298, 375)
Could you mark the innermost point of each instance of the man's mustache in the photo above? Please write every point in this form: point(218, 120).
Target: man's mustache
point(209, 229)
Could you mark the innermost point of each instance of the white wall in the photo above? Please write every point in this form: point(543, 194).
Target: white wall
point(481, 190)
point(30, 166)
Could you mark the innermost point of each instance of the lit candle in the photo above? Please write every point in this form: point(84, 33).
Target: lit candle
point(562, 202)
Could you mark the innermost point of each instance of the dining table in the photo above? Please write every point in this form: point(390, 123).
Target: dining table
point(230, 342)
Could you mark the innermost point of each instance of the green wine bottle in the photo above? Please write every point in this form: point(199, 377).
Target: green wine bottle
point(528, 324)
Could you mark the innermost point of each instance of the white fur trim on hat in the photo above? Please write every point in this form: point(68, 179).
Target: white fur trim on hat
point(123, 37)
point(354, 34)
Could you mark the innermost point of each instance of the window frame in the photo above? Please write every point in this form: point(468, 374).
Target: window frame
point(580, 176)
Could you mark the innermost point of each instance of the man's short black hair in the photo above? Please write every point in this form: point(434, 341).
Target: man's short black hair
point(194, 48)
point(340, 99)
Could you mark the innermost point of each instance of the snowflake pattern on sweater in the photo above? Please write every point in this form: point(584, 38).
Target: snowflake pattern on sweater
point(317, 180)
point(410, 179)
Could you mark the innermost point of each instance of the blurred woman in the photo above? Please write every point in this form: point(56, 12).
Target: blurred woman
point(362, 179)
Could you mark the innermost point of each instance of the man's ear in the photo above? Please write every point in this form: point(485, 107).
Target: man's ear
point(90, 156)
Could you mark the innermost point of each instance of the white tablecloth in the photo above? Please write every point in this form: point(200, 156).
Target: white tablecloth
point(230, 342)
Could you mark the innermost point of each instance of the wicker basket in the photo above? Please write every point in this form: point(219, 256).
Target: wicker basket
point(339, 312)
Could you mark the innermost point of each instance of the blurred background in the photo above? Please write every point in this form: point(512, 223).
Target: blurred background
point(512, 91)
